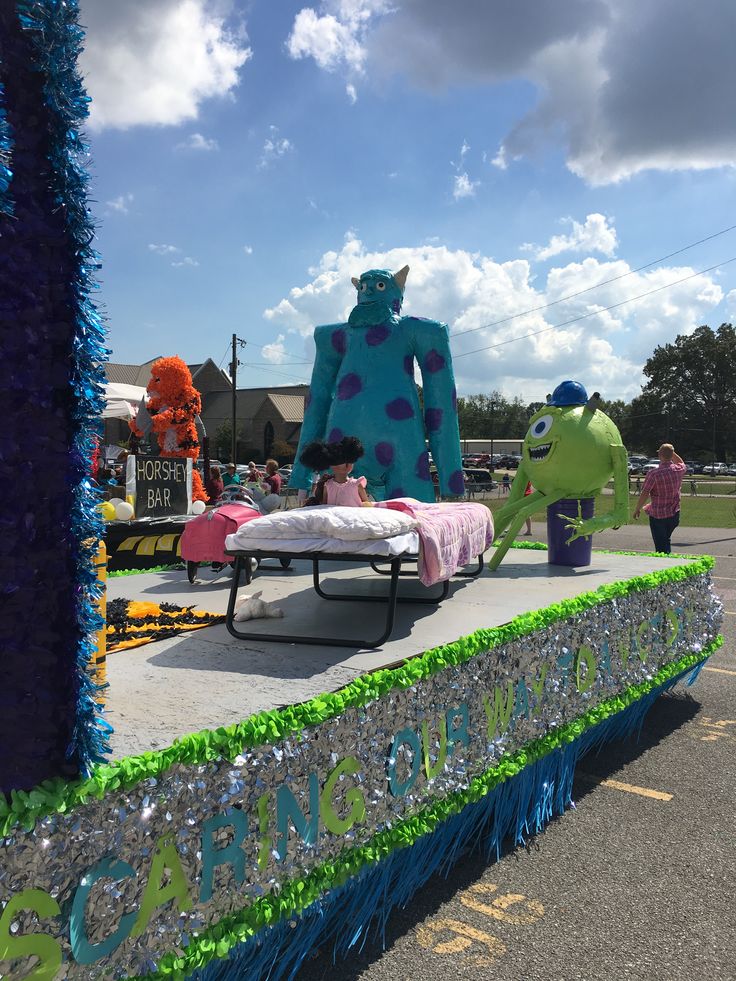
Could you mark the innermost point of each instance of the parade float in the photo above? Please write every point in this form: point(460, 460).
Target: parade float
point(235, 851)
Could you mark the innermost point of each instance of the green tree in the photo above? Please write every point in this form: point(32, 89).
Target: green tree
point(692, 383)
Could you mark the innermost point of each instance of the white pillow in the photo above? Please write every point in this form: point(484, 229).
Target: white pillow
point(348, 524)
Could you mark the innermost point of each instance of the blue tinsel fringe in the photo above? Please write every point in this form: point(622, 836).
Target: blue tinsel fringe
point(359, 911)
point(57, 39)
point(6, 146)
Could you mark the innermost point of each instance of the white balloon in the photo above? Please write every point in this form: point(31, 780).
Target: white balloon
point(123, 510)
point(198, 507)
point(115, 501)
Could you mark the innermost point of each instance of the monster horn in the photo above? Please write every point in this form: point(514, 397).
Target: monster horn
point(593, 402)
point(400, 277)
point(355, 281)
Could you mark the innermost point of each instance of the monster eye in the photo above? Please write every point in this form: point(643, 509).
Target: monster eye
point(380, 285)
point(363, 287)
point(541, 427)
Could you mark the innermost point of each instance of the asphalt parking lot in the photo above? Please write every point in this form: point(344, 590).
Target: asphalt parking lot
point(635, 882)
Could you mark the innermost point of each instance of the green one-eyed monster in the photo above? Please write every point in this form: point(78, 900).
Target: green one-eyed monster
point(570, 451)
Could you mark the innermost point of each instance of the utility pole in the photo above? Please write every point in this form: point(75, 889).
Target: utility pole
point(233, 378)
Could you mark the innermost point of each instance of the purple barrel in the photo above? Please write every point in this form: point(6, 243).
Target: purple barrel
point(577, 553)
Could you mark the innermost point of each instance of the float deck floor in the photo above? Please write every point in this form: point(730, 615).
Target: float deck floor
point(206, 678)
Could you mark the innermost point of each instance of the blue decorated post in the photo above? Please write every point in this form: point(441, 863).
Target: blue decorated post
point(53, 346)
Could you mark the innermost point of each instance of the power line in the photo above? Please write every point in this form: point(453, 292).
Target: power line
point(593, 313)
point(274, 371)
point(588, 289)
point(299, 357)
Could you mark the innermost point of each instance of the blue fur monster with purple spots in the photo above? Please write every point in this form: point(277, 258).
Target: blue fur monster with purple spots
point(363, 385)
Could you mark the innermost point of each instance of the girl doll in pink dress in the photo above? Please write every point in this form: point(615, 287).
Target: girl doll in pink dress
point(336, 486)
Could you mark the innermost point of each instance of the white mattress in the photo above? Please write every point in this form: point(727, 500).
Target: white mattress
point(406, 544)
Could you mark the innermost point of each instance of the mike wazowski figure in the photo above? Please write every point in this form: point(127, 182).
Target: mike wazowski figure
point(571, 450)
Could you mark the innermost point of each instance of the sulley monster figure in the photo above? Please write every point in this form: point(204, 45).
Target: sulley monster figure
point(173, 407)
point(570, 451)
point(363, 385)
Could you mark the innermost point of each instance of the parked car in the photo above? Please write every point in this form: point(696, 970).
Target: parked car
point(732, 470)
point(715, 469)
point(478, 475)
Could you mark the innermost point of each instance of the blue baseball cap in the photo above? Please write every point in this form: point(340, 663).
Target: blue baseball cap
point(569, 393)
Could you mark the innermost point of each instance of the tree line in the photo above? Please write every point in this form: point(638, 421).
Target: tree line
point(689, 399)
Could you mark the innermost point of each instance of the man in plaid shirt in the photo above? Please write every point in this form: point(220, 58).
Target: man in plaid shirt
point(663, 486)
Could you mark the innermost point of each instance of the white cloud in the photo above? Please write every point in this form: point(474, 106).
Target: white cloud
point(331, 43)
point(164, 249)
point(275, 352)
point(121, 203)
point(463, 186)
point(248, 249)
point(611, 87)
point(186, 261)
point(154, 62)
point(198, 142)
point(472, 292)
point(594, 235)
point(334, 36)
point(274, 147)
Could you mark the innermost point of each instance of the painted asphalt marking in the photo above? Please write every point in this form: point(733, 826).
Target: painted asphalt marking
point(716, 730)
point(530, 910)
point(629, 788)
point(482, 948)
point(727, 578)
point(720, 670)
point(464, 936)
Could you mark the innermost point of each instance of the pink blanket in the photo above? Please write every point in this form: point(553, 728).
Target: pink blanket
point(450, 535)
point(203, 539)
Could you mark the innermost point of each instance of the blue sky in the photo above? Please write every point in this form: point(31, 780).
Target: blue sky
point(248, 158)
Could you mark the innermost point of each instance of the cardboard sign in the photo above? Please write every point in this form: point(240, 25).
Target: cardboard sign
point(159, 486)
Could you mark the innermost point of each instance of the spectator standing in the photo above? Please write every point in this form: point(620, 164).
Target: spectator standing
point(273, 477)
point(231, 477)
point(663, 487)
point(506, 482)
point(214, 485)
point(252, 477)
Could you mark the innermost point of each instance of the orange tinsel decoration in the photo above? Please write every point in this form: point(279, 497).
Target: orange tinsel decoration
point(173, 404)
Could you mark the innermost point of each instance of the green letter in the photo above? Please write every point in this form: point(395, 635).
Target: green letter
point(500, 712)
point(155, 895)
point(538, 686)
point(47, 949)
point(587, 655)
point(354, 797)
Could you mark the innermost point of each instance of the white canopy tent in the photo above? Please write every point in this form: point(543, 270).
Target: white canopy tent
point(122, 401)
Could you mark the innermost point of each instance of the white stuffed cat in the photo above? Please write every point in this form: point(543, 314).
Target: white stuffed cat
point(254, 608)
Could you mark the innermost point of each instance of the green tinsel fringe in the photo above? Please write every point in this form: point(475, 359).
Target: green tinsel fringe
point(137, 572)
point(26, 807)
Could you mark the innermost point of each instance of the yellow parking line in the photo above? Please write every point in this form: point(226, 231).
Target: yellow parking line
point(630, 788)
point(720, 670)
